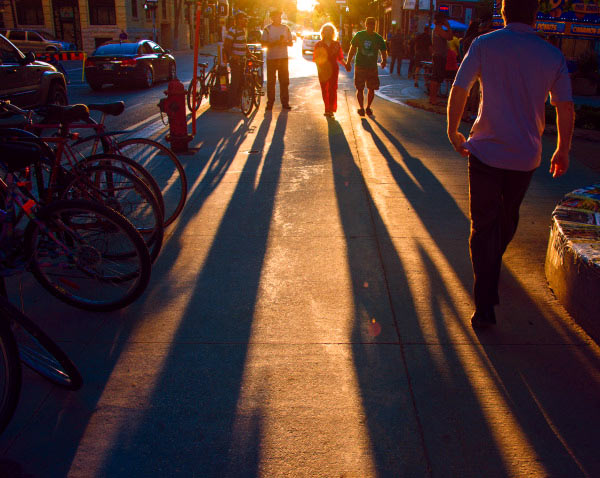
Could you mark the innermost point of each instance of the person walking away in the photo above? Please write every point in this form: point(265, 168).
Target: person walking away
point(366, 45)
point(517, 70)
point(234, 52)
point(327, 54)
point(422, 51)
point(440, 37)
point(276, 38)
point(411, 54)
point(395, 47)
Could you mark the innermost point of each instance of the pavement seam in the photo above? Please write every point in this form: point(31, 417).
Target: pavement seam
point(389, 295)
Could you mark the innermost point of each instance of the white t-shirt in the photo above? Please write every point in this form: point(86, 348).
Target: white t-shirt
point(274, 33)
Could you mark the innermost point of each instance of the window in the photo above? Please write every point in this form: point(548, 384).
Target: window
point(30, 12)
point(102, 12)
point(456, 11)
point(134, 10)
point(17, 36)
point(33, 36)
point(7, 53)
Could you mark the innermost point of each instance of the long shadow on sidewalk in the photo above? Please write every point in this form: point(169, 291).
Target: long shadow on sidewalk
point(532, 404)
point(193, 409)
point(395, 424)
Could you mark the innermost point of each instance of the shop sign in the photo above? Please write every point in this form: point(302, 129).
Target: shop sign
point(550, 27)
point(581, 29)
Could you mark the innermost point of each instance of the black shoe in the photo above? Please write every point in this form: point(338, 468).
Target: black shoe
point(369, 111)
point(269, 107)
point(360, 111)
point(482, 319)
point(286, 107)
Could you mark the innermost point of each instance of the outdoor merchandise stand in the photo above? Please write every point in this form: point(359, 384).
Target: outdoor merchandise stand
point(573, 256)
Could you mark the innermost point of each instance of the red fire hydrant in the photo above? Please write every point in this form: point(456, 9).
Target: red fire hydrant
point(174, 106)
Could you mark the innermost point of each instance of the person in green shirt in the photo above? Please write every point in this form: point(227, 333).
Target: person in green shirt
point(366, 45)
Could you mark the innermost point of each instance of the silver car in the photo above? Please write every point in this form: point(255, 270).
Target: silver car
point(36, 41)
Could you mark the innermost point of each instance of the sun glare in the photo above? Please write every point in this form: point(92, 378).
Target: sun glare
point(305, 5)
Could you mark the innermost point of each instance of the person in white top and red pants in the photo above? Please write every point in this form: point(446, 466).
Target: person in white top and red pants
point(517, 70)
point(276, 38)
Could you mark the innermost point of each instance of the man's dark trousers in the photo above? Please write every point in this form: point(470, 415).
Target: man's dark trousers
point(395, 60)
point(278, 68)
point(237, 72)
point(495, 196)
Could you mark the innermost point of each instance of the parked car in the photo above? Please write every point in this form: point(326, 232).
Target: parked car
point(36, 41)
point(309, 42)
point(140, 63)
point(26, 82)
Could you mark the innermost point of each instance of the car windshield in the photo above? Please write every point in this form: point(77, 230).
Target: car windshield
point(117, 49)
point(48, 36)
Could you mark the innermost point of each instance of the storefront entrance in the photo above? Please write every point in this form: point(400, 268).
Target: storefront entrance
point(66, 21)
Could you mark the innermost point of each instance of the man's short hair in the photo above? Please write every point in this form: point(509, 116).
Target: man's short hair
point(275, 13)
point(370, 20)
point(520, 11)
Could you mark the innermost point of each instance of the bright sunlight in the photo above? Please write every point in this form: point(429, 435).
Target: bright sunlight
point(306, 5)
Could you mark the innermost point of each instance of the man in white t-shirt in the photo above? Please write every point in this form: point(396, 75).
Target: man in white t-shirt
point(516, 70)
point(276, 38)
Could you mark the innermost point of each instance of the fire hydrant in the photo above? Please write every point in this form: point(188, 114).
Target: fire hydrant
point(174, 106)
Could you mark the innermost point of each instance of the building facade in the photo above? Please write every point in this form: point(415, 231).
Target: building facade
point(89, 23)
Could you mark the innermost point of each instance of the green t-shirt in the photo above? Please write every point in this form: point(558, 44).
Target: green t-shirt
point(368, 46)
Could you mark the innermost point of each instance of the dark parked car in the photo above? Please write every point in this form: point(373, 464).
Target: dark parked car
point(26, 82)
point(140, 63)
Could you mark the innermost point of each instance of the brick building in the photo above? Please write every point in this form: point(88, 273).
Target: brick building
point(89, 23)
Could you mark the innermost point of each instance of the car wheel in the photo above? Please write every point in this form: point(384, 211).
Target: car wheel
point(57, 95)
point(94, 85)
point(172, 71)
point(147, 77)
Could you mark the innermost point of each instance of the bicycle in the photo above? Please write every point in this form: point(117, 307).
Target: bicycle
point(99, 177)
point(82, 252)
point(204, 82)
point(168, 179)
point(251, 84)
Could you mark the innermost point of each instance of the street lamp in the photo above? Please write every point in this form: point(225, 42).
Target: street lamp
point(152, 5)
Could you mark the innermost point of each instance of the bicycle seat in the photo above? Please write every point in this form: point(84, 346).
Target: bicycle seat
point(64, 114)
point(13, 121)
point(113, 109)
point(203, 65)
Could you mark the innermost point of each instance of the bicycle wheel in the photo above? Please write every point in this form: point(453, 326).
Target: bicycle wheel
point(124, 193)
point(130, 165)
point(164, 167)
point(247, 101)
point(10, 372)
point(193, 102)
point(258, 80)
point(87, 255)
point(39, 352)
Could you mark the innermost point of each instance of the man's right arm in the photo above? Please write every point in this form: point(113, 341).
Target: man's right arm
point(351, 54)
point(565, 120)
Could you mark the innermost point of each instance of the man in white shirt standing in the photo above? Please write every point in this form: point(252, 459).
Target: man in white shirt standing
point(276, 38)
point(516, 70)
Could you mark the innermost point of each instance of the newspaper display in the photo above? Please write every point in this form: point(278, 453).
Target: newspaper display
point(577, 220)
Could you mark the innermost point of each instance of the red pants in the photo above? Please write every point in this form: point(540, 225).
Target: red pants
point(329, 91)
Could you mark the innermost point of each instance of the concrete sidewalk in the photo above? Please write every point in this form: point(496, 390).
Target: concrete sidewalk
point(308, 317)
